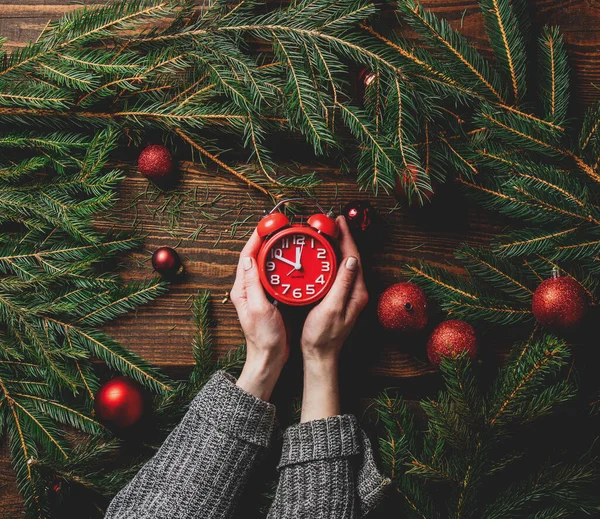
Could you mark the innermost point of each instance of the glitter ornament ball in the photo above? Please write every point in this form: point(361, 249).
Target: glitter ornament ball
point(166, 261)
point(120, 402)
point(450, 339)
point(359, 215)
point(155, 162)
point(409, 176)
point(560, 302)
point(403, 308)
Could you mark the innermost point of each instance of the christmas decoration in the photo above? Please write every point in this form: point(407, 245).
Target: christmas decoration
point(119, 402)
point(359, 214)
point(166, 261)
point(403, 308)
point(411, 177)
point(366, 77)
point(559, 302)
point(450, 339)
point(155, 162)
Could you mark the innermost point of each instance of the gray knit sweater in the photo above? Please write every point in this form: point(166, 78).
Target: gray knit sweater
point(326, 470)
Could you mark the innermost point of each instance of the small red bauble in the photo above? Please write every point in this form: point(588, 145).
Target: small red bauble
point(120, 402)
point(366, 77)
point(409, 176)
point(155, 162)
point(403, 308)
point(560, 302)
point(450, 339)
point(359, 214)
point(166, 261)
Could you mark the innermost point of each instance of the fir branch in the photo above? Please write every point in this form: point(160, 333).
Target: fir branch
point(507, 42)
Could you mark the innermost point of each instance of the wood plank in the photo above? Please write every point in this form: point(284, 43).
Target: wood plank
point(210, 259)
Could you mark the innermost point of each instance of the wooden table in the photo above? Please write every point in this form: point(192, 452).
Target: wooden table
point(161, 332)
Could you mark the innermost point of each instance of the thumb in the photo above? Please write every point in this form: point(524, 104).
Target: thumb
point(344, 281)
point(254, 290)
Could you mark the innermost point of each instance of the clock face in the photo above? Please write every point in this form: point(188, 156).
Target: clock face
point(297, 266)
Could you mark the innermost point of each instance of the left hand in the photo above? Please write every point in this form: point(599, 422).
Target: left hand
point(267, 345)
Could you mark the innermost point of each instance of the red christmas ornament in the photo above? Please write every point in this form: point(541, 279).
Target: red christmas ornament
point(409, 176)
point(120, 402)
point(403, 308)
point(366, 77)
point(450, 339)
point(560, 302)
point(359, 214)
point(155, 162)
point(166, 261)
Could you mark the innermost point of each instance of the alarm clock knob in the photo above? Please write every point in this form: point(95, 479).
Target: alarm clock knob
point(271, 223)
point(324, 224)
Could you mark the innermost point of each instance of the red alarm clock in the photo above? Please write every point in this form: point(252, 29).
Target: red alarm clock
point(297, 262)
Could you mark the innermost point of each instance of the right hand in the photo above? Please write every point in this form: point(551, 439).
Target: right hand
point(267, 345)
point(330, 322)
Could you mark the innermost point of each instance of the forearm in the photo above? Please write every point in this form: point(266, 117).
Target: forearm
point(202, 467)
point(321, 396)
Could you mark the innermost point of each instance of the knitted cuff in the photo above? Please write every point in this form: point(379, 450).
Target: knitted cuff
point(371, 485)
point(333, 437)
point(234, 411)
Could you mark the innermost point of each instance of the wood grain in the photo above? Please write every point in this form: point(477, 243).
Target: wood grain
point(161, 331)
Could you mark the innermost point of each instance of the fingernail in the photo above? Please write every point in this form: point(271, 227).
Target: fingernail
point(247, 261)
point(351, 263)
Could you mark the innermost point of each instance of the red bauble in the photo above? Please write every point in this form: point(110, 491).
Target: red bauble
point(403, 308)
point(359, 214)
point(450, 339)
point(366, 77)
point(155, 162)
point(166, 261)
point(560, 302)
point(120, 402)
point(409, 175)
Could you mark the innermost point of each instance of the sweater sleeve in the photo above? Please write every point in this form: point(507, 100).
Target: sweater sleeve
point(327, 470)
point(200, 470)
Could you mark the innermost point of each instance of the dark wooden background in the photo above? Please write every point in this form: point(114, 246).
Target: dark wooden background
point(225, 212)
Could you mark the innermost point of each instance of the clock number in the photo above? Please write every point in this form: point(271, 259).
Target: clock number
point(310, 290)
point(276, 253)
point(297, 293)
point(312, 243)
point(275, 279)
point(325, 266)
point(270, 266)
point(321, 253)
point(285, 243)
point(320, 279)
point(286, 287)
point(299, 239)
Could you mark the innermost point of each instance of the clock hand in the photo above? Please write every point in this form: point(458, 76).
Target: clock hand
point(299, 257)
point(285, 260)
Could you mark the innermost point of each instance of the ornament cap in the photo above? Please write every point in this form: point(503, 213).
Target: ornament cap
point(271, 223)
point(324, 224)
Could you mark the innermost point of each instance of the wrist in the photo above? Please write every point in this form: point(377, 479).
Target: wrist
point(260, 374)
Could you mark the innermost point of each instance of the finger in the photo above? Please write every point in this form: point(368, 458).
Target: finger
point(250, 250)
point(347, 245)
point(359, 297)
point(343, 284)
point(252, 285)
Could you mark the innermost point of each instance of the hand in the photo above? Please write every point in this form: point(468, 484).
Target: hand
point(330, 322)
point(266, 338)
point(326, 328)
